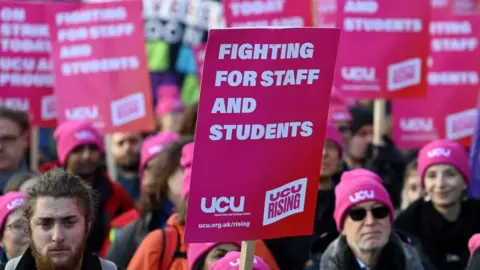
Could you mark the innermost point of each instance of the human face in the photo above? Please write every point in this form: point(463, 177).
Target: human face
point(58, 231)
point(413, 190)
point(13, 143)
point(15, 237)
point(175, 186)
point(170, 121)
point(358, 143)
point(126, 149)
point(330, 159)
point(84, 161)
point(217, 253)
point(149, 185)
point(444, 185)
point(28, 184)
point(369, 234)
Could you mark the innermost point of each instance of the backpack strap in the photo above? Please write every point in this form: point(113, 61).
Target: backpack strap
point(171, 246)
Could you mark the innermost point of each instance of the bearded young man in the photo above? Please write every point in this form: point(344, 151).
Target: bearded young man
point(59, 212)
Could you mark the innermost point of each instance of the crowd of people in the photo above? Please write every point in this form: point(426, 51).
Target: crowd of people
point(377, 207)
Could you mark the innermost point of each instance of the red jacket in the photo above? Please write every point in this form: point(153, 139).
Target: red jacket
point(117, 203)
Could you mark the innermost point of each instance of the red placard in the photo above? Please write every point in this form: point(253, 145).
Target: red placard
point(450, 110)
point(260, 130)
point(100, 66)
point(383, 48)
point(25, 67)
point(262, 13)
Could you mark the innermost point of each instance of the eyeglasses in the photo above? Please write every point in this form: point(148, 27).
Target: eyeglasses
point(359, 214)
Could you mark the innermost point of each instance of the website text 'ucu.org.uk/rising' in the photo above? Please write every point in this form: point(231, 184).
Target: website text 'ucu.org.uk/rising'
point(233, 224)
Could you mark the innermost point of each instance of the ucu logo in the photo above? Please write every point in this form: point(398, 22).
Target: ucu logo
point(15, 203)
point(237, 262)
point(223, 204)
point(155, 149)
point(439, 152)
point(362, 195)
point(85, 135)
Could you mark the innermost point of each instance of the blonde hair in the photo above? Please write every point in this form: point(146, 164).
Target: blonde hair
point(411, 168)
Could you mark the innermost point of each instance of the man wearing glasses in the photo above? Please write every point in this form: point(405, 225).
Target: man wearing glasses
point(14, 127)
point(364, 214)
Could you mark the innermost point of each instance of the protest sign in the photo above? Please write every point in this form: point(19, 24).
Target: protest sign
point(325, 13)
point(260, 130)
point(383, 48)
point(261, 13)
point(449, 111)
point(25, 67)
point(98, 75)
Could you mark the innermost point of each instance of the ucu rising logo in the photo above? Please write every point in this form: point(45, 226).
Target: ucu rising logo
point(220, 206)
point(439, 152)
point(84, 135)
point(362, 195)
point(15, 204)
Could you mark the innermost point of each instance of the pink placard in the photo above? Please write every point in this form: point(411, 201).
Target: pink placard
point(100, 67)
point(326, 13)
point(261, 13)
point(260, 130)
point(199, 52)
point(383, 48)
point(26, 79)
point(450, 110)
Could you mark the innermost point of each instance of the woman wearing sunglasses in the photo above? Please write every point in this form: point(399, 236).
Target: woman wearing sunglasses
point(364, 214)
point(446, 219)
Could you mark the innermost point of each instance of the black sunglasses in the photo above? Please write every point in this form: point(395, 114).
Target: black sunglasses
point(358, 214)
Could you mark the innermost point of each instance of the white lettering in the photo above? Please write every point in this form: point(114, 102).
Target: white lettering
point(362, 195)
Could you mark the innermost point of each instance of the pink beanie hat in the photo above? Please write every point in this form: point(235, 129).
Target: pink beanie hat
point(358, 186)
point(231, 261)
point(197, 250)
point(474, 243)
point(332, 134)
point(9, 203)
point(444, 152)
point(71, 135)
point(168, 100)
point(186, 161)
point(154, 145)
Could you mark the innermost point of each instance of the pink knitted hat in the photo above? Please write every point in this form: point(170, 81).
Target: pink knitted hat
point(358, 186)
point(186, 161)
point(474, 243)
point(231, 261)
point(154, 145)
point(71, 135)
point(444, 152)
point(197, 250)
point(168, 100)
point(9, 203)
point(332, 134)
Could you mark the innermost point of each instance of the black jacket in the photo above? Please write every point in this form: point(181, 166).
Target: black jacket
point(291, 253)
point(445, 243)
point(90, 262)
